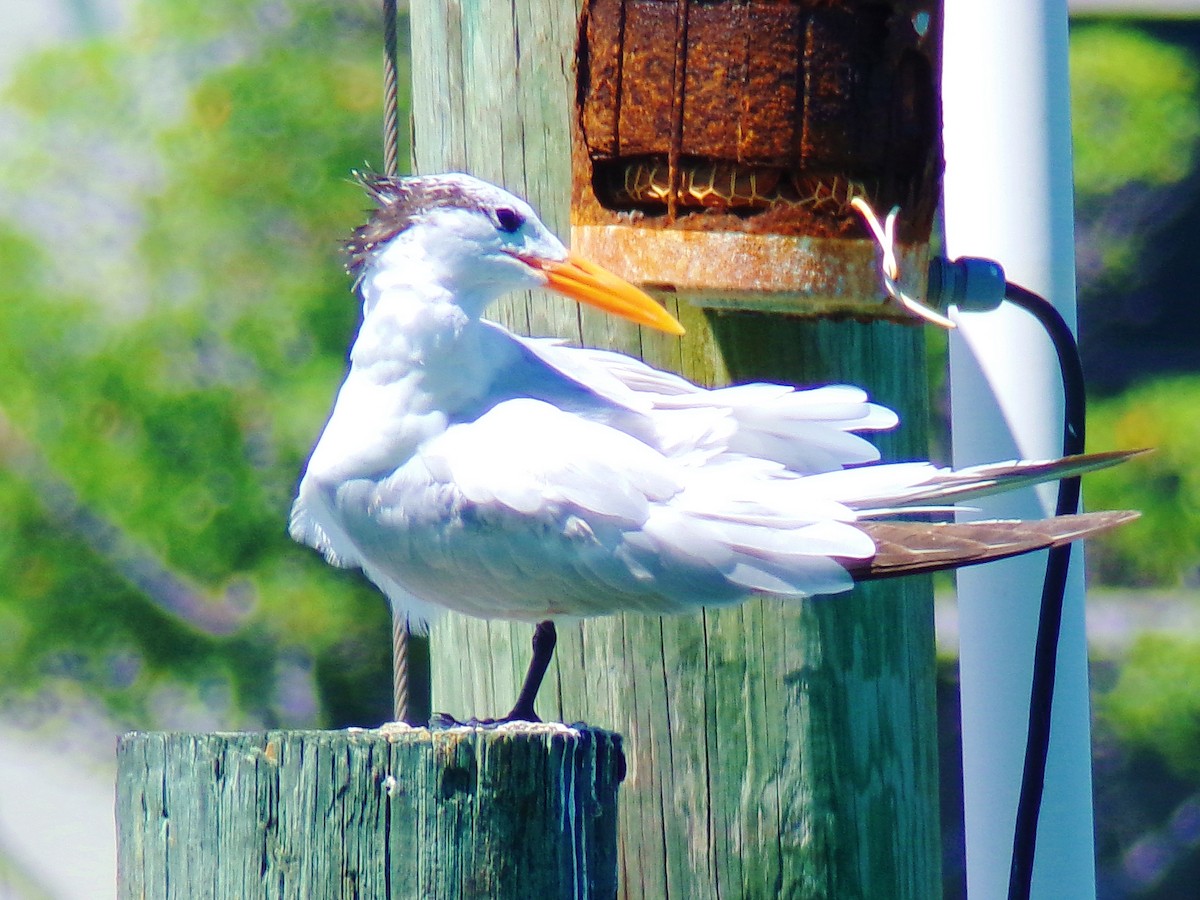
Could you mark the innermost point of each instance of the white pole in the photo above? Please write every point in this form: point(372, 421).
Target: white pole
point(1008, 197)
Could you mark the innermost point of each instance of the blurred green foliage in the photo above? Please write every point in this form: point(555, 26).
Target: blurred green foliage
point(1155, 704)
point(174, 319)
point(1156, 701)
point(1135, 120)
point(1134, 109)
point(1163, 547)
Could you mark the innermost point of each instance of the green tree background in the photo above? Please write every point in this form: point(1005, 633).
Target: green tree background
point(174, 318)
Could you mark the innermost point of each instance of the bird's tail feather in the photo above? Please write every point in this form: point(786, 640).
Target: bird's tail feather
point(955, 486)
point(907, 548)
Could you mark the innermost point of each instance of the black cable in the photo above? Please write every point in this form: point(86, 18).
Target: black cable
point(1045, 654)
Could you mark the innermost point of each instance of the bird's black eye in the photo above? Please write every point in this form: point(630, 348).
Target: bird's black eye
point(508, 219)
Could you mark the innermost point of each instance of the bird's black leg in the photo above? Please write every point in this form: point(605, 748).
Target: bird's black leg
point(544, 639)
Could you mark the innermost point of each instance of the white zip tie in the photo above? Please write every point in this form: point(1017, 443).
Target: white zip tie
point(885, 236)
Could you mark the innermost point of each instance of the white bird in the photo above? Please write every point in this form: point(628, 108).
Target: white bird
point(465, 467)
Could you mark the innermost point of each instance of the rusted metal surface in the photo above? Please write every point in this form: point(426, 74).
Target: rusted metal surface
point(775, 273)
point(794, 95)
point(755, 118)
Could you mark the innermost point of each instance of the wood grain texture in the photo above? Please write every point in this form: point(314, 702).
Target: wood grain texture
point(775, 749)
point(459, 814)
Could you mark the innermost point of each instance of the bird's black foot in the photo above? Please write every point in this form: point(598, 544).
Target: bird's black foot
point(545, 637)
point(445, 720)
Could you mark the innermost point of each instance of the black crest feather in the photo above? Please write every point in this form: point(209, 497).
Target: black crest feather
point(399, 202)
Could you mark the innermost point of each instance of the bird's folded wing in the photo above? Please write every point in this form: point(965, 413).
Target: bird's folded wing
point(530, 456)
point(806, 431)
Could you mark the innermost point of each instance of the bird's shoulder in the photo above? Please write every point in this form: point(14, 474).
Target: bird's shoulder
point(549, 369)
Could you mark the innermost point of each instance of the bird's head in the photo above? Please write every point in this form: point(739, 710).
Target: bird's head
point(480, 241)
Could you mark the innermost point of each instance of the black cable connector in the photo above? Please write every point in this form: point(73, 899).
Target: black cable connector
point(970, 283)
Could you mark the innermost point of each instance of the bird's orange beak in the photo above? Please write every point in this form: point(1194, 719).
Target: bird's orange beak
point(587, 282)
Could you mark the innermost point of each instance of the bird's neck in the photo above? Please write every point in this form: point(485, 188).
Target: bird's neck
point(409, 315)
point(410, 327)
point(417, 361)
point(419, 334)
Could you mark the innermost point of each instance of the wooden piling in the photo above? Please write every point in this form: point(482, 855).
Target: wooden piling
point(519, 811)
point(775, 749)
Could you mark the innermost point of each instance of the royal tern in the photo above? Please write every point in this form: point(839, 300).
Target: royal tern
point(464, 467)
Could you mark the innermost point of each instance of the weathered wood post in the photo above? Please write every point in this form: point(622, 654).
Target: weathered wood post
point(774, 749)
point(522, 811)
